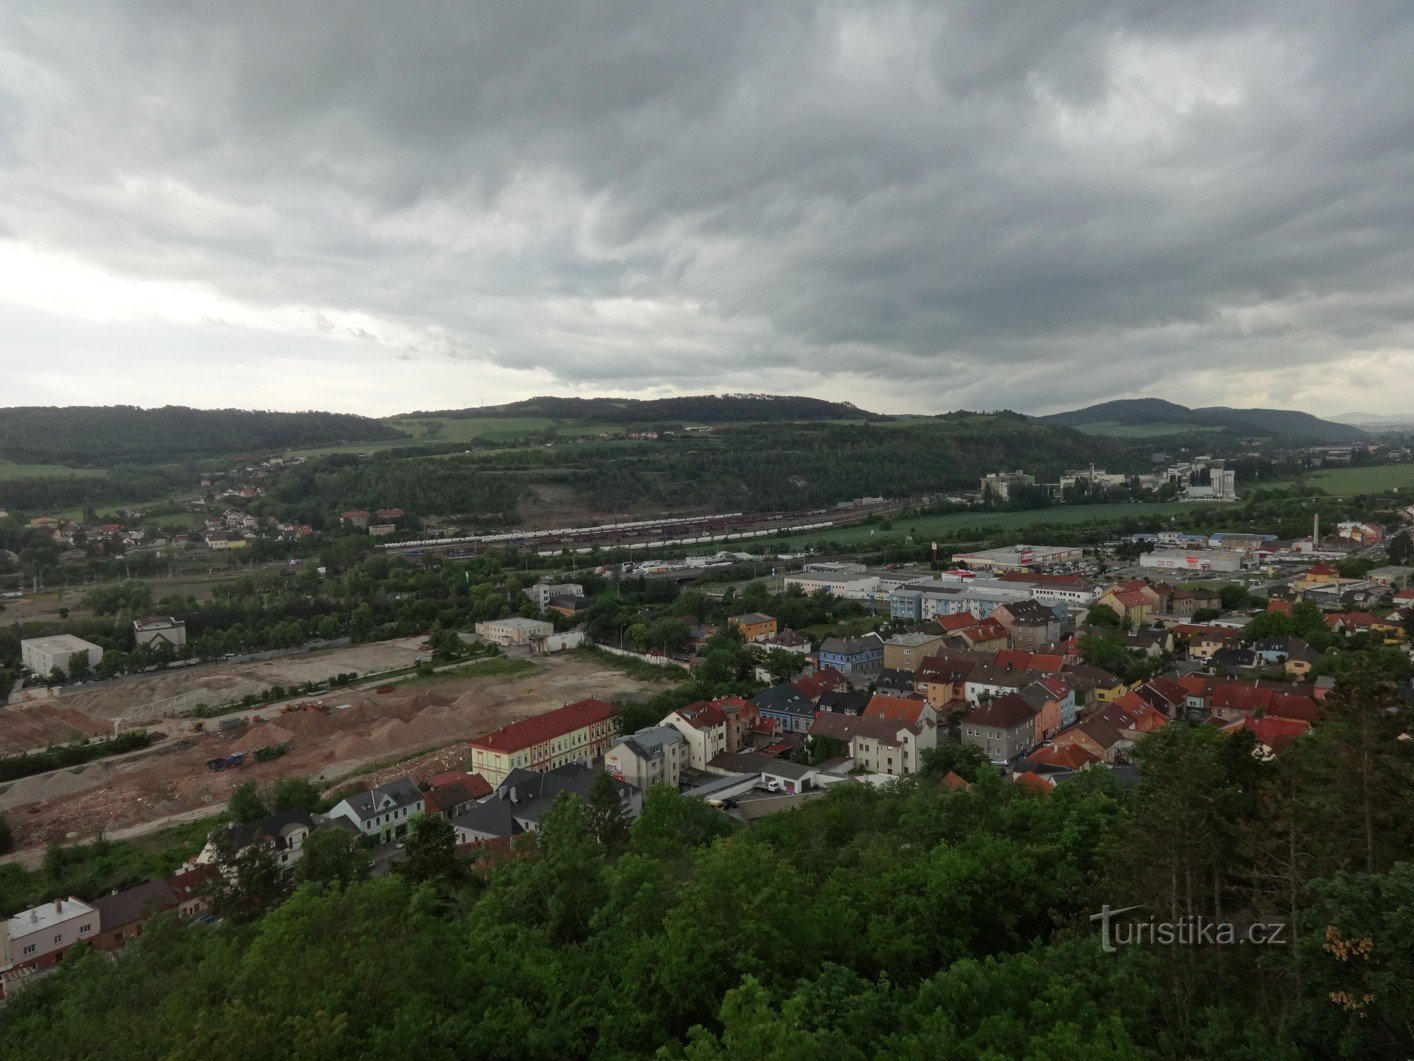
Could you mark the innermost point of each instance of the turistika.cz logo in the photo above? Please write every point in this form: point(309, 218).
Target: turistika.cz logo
point(1192, 930)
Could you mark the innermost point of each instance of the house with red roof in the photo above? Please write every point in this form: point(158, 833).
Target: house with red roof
point(1070, 757)
point(900, 709)
point(1094, 736)
point(577, 732)
point(1274, 735)
point(825, 680)
point(878, 744)
point(1033, 782)
point(704, 726)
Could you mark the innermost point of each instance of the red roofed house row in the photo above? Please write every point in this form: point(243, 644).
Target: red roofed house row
point(576, 732)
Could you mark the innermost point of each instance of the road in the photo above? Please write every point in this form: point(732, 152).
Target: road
point(33, 857)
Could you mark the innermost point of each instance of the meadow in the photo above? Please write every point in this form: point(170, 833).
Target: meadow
point(10, 470)
point(1378, 479)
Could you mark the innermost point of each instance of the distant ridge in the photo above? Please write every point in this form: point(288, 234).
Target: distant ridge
point(702, 408)
point(1266, 423)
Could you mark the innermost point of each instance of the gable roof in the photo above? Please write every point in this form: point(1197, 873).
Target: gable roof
point(852, 646)
point(703, 714)
point(783, 699)
point(532, 731)
point(393, 796)
point(1006, 712)
point(895, 708)
point(824, 680)
point(952, 782)
point(134, 904)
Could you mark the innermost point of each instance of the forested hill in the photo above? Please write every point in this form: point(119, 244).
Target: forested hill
point(702, 408)
point(1149, 413)
point(121, 434)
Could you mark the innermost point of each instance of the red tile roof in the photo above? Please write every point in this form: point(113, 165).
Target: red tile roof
point(1033, 782)
point(475, 784)
point(952, 782)
point(552, 724)
point(1071, 757)
point(1293, 706)
point(1275, 733)
point(954, 623)
point(895, 708)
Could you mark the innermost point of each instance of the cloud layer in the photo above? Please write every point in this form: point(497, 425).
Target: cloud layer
point(917, 207)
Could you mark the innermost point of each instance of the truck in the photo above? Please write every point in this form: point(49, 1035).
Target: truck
point(226, 725)
point(225, 762)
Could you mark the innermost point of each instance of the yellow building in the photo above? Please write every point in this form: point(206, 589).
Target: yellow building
point(754, 626)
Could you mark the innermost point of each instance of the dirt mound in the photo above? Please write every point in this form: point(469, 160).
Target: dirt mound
point(266, 734)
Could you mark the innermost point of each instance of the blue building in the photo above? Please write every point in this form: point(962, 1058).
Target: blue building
point(852, 655)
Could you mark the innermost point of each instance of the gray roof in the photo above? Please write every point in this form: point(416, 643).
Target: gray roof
point(753, 763)
point(650, 742)
point(784, 699)
point(852, 646)
point(277, 827)
point(392, 796)
point(134, 904)
point(524, 796)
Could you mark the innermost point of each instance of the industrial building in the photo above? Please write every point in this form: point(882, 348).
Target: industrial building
point(44, 655)
point(1020, 557)
point(514, 631)
point(1195, 560)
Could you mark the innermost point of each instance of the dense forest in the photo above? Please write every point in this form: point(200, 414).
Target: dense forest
point(702, 408)
point(103, 435)
point(1284, 424)
point(912, 921)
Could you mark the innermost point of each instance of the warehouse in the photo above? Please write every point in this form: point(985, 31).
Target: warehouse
point(1020, 557)
point(1195, 560)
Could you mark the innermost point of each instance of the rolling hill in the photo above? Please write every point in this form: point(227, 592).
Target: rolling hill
point(702, 408)
point(1154, 414)
point(126, 434)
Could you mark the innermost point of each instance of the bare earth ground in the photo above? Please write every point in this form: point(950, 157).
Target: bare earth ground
point(426, 715)
point(229, 682)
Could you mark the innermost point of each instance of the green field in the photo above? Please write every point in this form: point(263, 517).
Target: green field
point(9, 470)
point(1380, 479)
point(439, 430)
point(1112, 429)
point(924, 528)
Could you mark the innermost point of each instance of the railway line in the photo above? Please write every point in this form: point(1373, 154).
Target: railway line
point(645, 534)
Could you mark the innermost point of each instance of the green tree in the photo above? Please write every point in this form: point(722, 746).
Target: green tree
point(332, 856)
point(782, 665)
point(1400, 549)
point(431, 850)
point(1102, 615)
point(607, 820)
point(248, 880)
point(291, 793)
point(7, 837)
point(245, 804)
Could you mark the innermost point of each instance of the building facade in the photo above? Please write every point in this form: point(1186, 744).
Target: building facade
point(577, 732)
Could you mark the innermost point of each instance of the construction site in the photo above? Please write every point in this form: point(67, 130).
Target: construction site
point(328, 738)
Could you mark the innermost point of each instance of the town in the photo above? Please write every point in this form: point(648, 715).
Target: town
point(1040, 664)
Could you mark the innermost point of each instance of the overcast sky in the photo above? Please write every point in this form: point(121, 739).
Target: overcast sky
point(379, 207)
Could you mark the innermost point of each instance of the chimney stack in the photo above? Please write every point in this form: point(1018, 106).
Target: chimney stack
point(58, 906)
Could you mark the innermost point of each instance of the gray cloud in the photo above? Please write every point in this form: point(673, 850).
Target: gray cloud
point(917, 206)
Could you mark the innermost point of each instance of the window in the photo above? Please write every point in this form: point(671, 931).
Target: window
point(31, 947)
point(85, 929)
point(58, 939)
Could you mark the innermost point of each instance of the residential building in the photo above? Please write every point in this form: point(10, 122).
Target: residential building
point(703, 726)
point(788, 641)
point(852, 656)
point(158, 630)
point(577, 732)
point(785, 707)
point(1133, 601)
point(754, 626)
point(907, 651)
point(523, 797)
point(385, 812)
point(902, 710)
point(284, 834)
point(44, 655)
point(1029, 624)
point(122, 915)
point(514, 631)
point(450, 800)
point(1185, 603)
point(649, 757)
point(37, 939)
point(1003, 728)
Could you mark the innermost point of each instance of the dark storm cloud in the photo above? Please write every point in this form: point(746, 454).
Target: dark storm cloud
point(927, 205)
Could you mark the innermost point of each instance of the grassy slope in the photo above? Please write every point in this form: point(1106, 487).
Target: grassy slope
point(10, 470)
point(1111, 429)
point(1347, 482)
